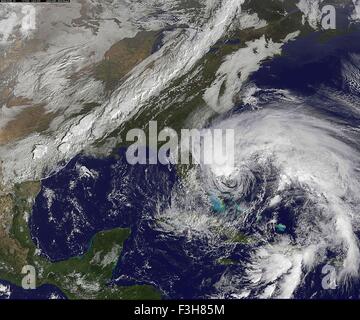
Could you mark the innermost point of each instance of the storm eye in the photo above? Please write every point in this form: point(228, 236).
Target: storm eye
point(229, 182)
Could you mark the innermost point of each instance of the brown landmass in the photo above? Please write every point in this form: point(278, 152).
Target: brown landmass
point(34, 118)
point(123, 56)
point(12, 254)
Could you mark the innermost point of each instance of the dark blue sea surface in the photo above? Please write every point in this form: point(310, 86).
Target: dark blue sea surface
point(309, 63)
point(117, 195)
point(120, 195)
point(40, 293)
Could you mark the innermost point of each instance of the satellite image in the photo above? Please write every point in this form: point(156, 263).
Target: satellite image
point(180, 149)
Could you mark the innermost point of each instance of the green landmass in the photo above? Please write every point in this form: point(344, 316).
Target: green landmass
point(239, 238)
point(226, 261)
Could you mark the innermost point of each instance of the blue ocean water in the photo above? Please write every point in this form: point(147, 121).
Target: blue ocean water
point(40, 293)
point(309, 62)
point(117, 196)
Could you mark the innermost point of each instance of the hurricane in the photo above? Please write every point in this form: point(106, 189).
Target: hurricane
point(294, 190)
